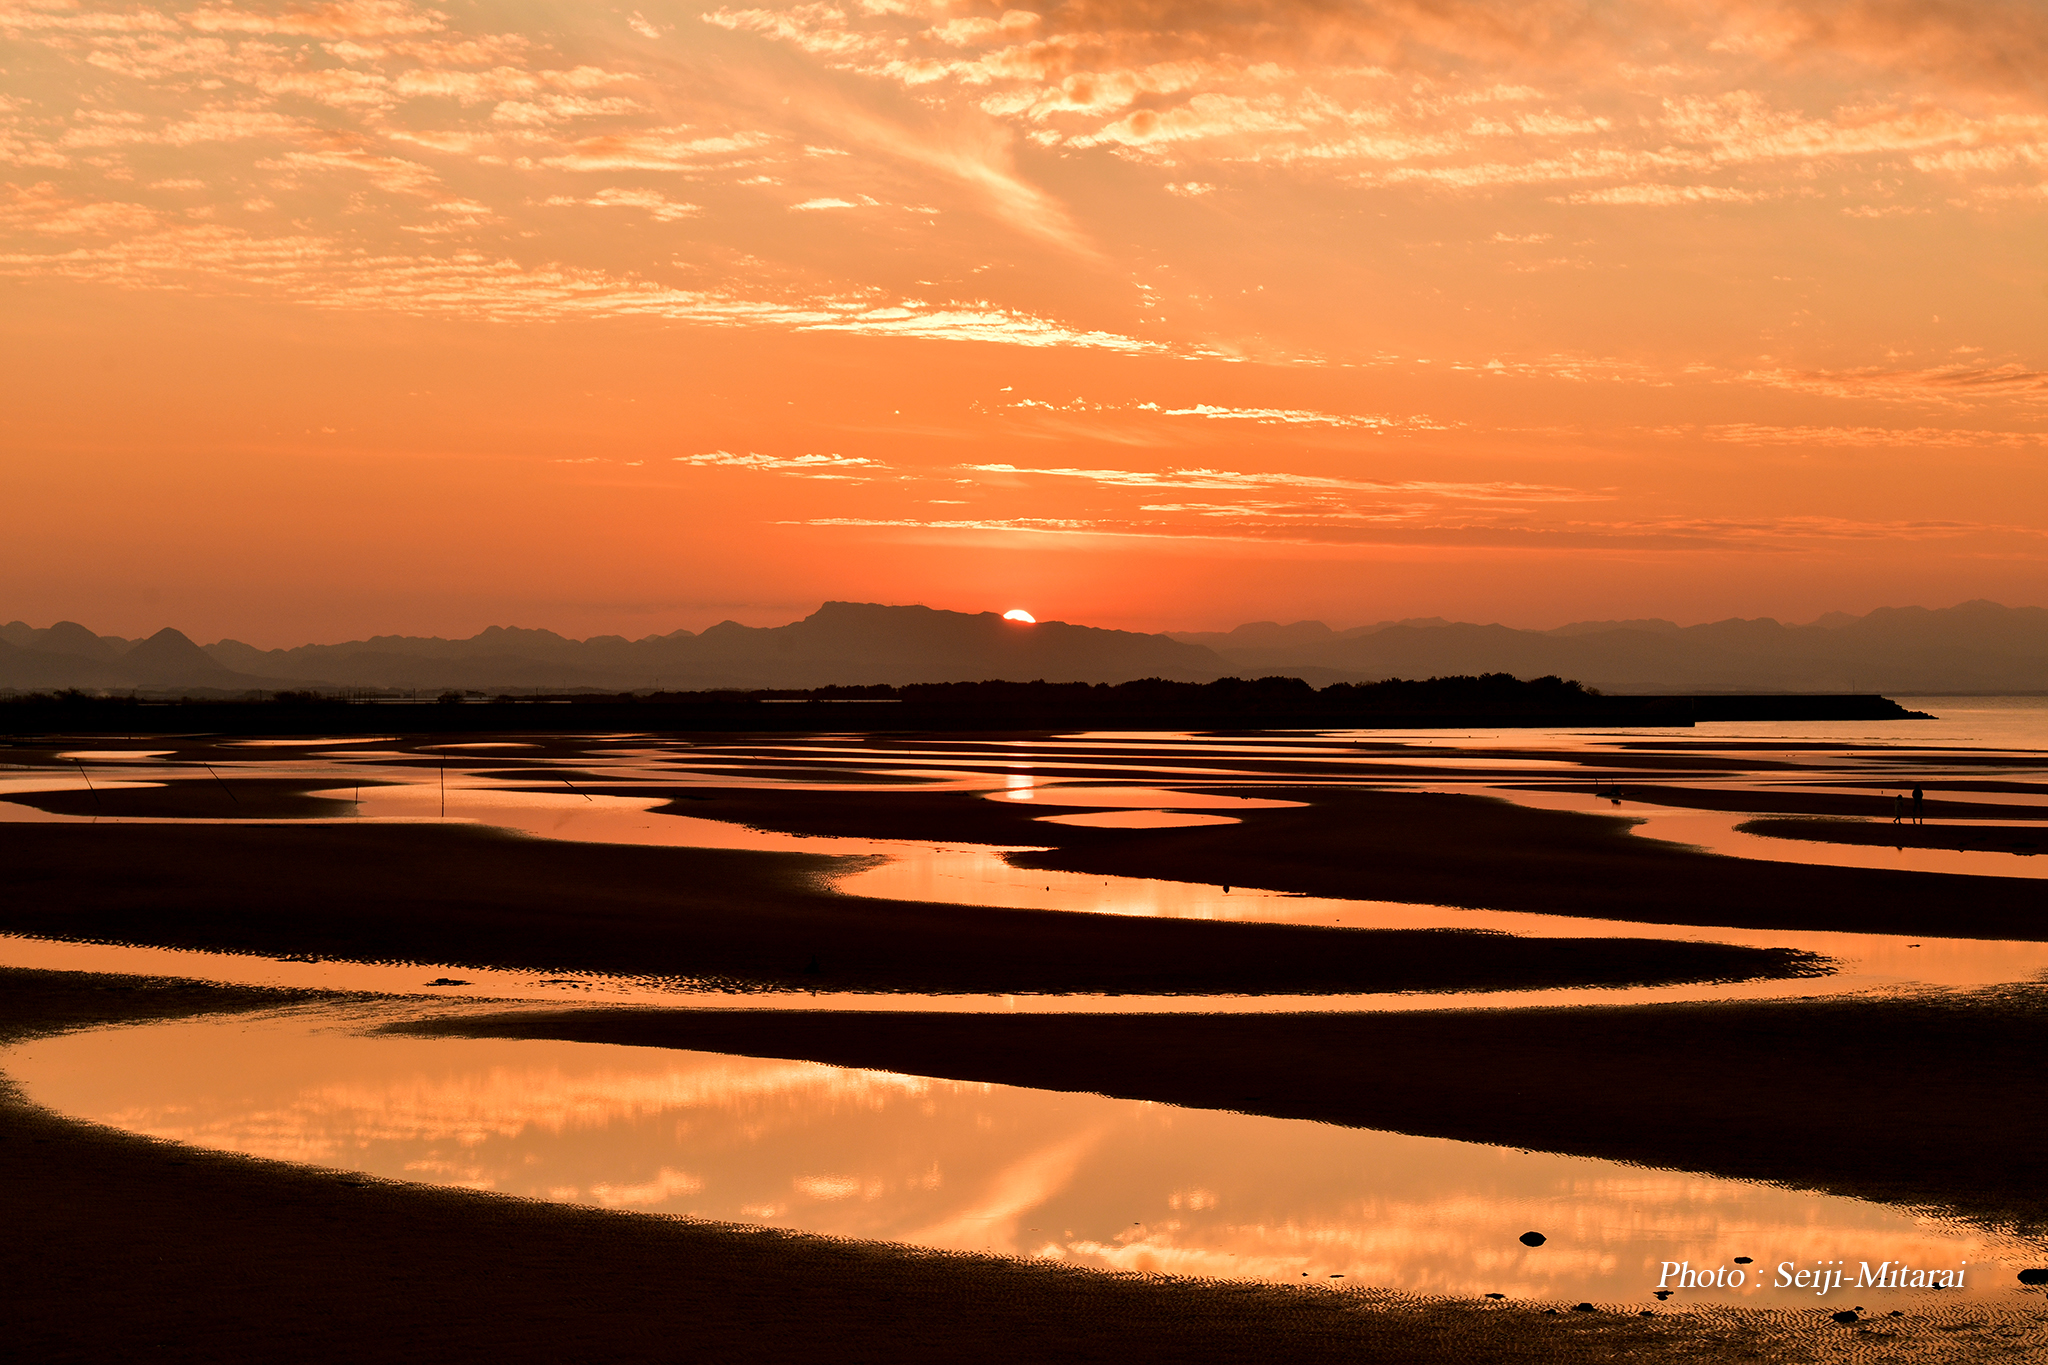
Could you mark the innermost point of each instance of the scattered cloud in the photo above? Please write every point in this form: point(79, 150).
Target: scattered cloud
point(340, 131)
point(806, 466)
point(1947, 385)
point(655, 204)
point(1234, 479)
point(1664, 196)
point(1860, 437)
point(1294, 417)
point(663, 149)
point(322, 273)
point(339, 19)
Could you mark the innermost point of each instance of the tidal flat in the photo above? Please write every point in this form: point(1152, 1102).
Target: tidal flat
point(1455, 940)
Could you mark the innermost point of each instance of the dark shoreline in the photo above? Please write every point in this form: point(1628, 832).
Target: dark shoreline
point(727, 714)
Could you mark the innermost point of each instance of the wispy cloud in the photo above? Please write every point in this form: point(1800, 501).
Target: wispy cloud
point(1234, 479)
point(655, 204)
point(1296, 417)
point(840, 467)
point(340, 19)
point(1948, 385)
point(320, 272)
point(1860, 437)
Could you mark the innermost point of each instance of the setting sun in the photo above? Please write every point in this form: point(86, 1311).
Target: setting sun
point(509, 497)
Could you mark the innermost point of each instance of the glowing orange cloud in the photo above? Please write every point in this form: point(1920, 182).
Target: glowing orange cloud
point(337, 318)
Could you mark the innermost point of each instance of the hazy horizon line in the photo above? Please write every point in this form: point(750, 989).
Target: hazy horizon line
point(1043, 620)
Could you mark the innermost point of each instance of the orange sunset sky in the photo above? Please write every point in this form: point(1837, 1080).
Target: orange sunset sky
point(379, 316)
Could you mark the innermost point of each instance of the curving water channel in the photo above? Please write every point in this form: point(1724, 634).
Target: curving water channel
point(974, 875)
point(1116, 1184)
point(1080, 1178)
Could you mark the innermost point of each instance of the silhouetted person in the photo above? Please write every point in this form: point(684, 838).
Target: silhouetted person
point(1919, 804)
point(1898, 808)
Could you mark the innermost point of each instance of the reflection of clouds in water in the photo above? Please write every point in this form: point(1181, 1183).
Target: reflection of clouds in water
point(1457, 1245)
point(1126, 1185)
point(827, 1188)
point(326, 1120)
point(666, 1185)
point(1022, 1185)
point(465, 1176)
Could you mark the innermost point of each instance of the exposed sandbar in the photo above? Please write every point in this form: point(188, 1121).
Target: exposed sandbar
point(2018, 840)
point(466, 895)
point(1422, 848)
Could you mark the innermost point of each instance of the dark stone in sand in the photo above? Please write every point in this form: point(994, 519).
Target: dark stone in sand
point(446, 981)
point(1584, 1308)
point(2034, 1275)
point(1533, 1239)
point(1663, 1294)
point(1496, 1296)
point(1646, 1313)
point(1846, 1316)
point(1742, 1260)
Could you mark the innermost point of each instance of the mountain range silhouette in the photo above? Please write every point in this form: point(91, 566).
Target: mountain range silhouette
point(1974, 647)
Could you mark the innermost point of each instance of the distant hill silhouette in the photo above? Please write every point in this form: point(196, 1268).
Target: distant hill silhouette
point(1975, 647)
point(844, 643)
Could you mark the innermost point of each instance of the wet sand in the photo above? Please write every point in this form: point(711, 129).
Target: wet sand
point(470, 896)
point(1917, 1101)
point(230, 796)
point(2019, 840)
point(1929, 1102)
point(1433, 849)
point(1863, 803)
point(1341, 842)
point(137, 1249)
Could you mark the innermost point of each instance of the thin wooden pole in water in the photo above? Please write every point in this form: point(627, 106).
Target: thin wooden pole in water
point(223, 783)
point(97, 803)
point(444, 784)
